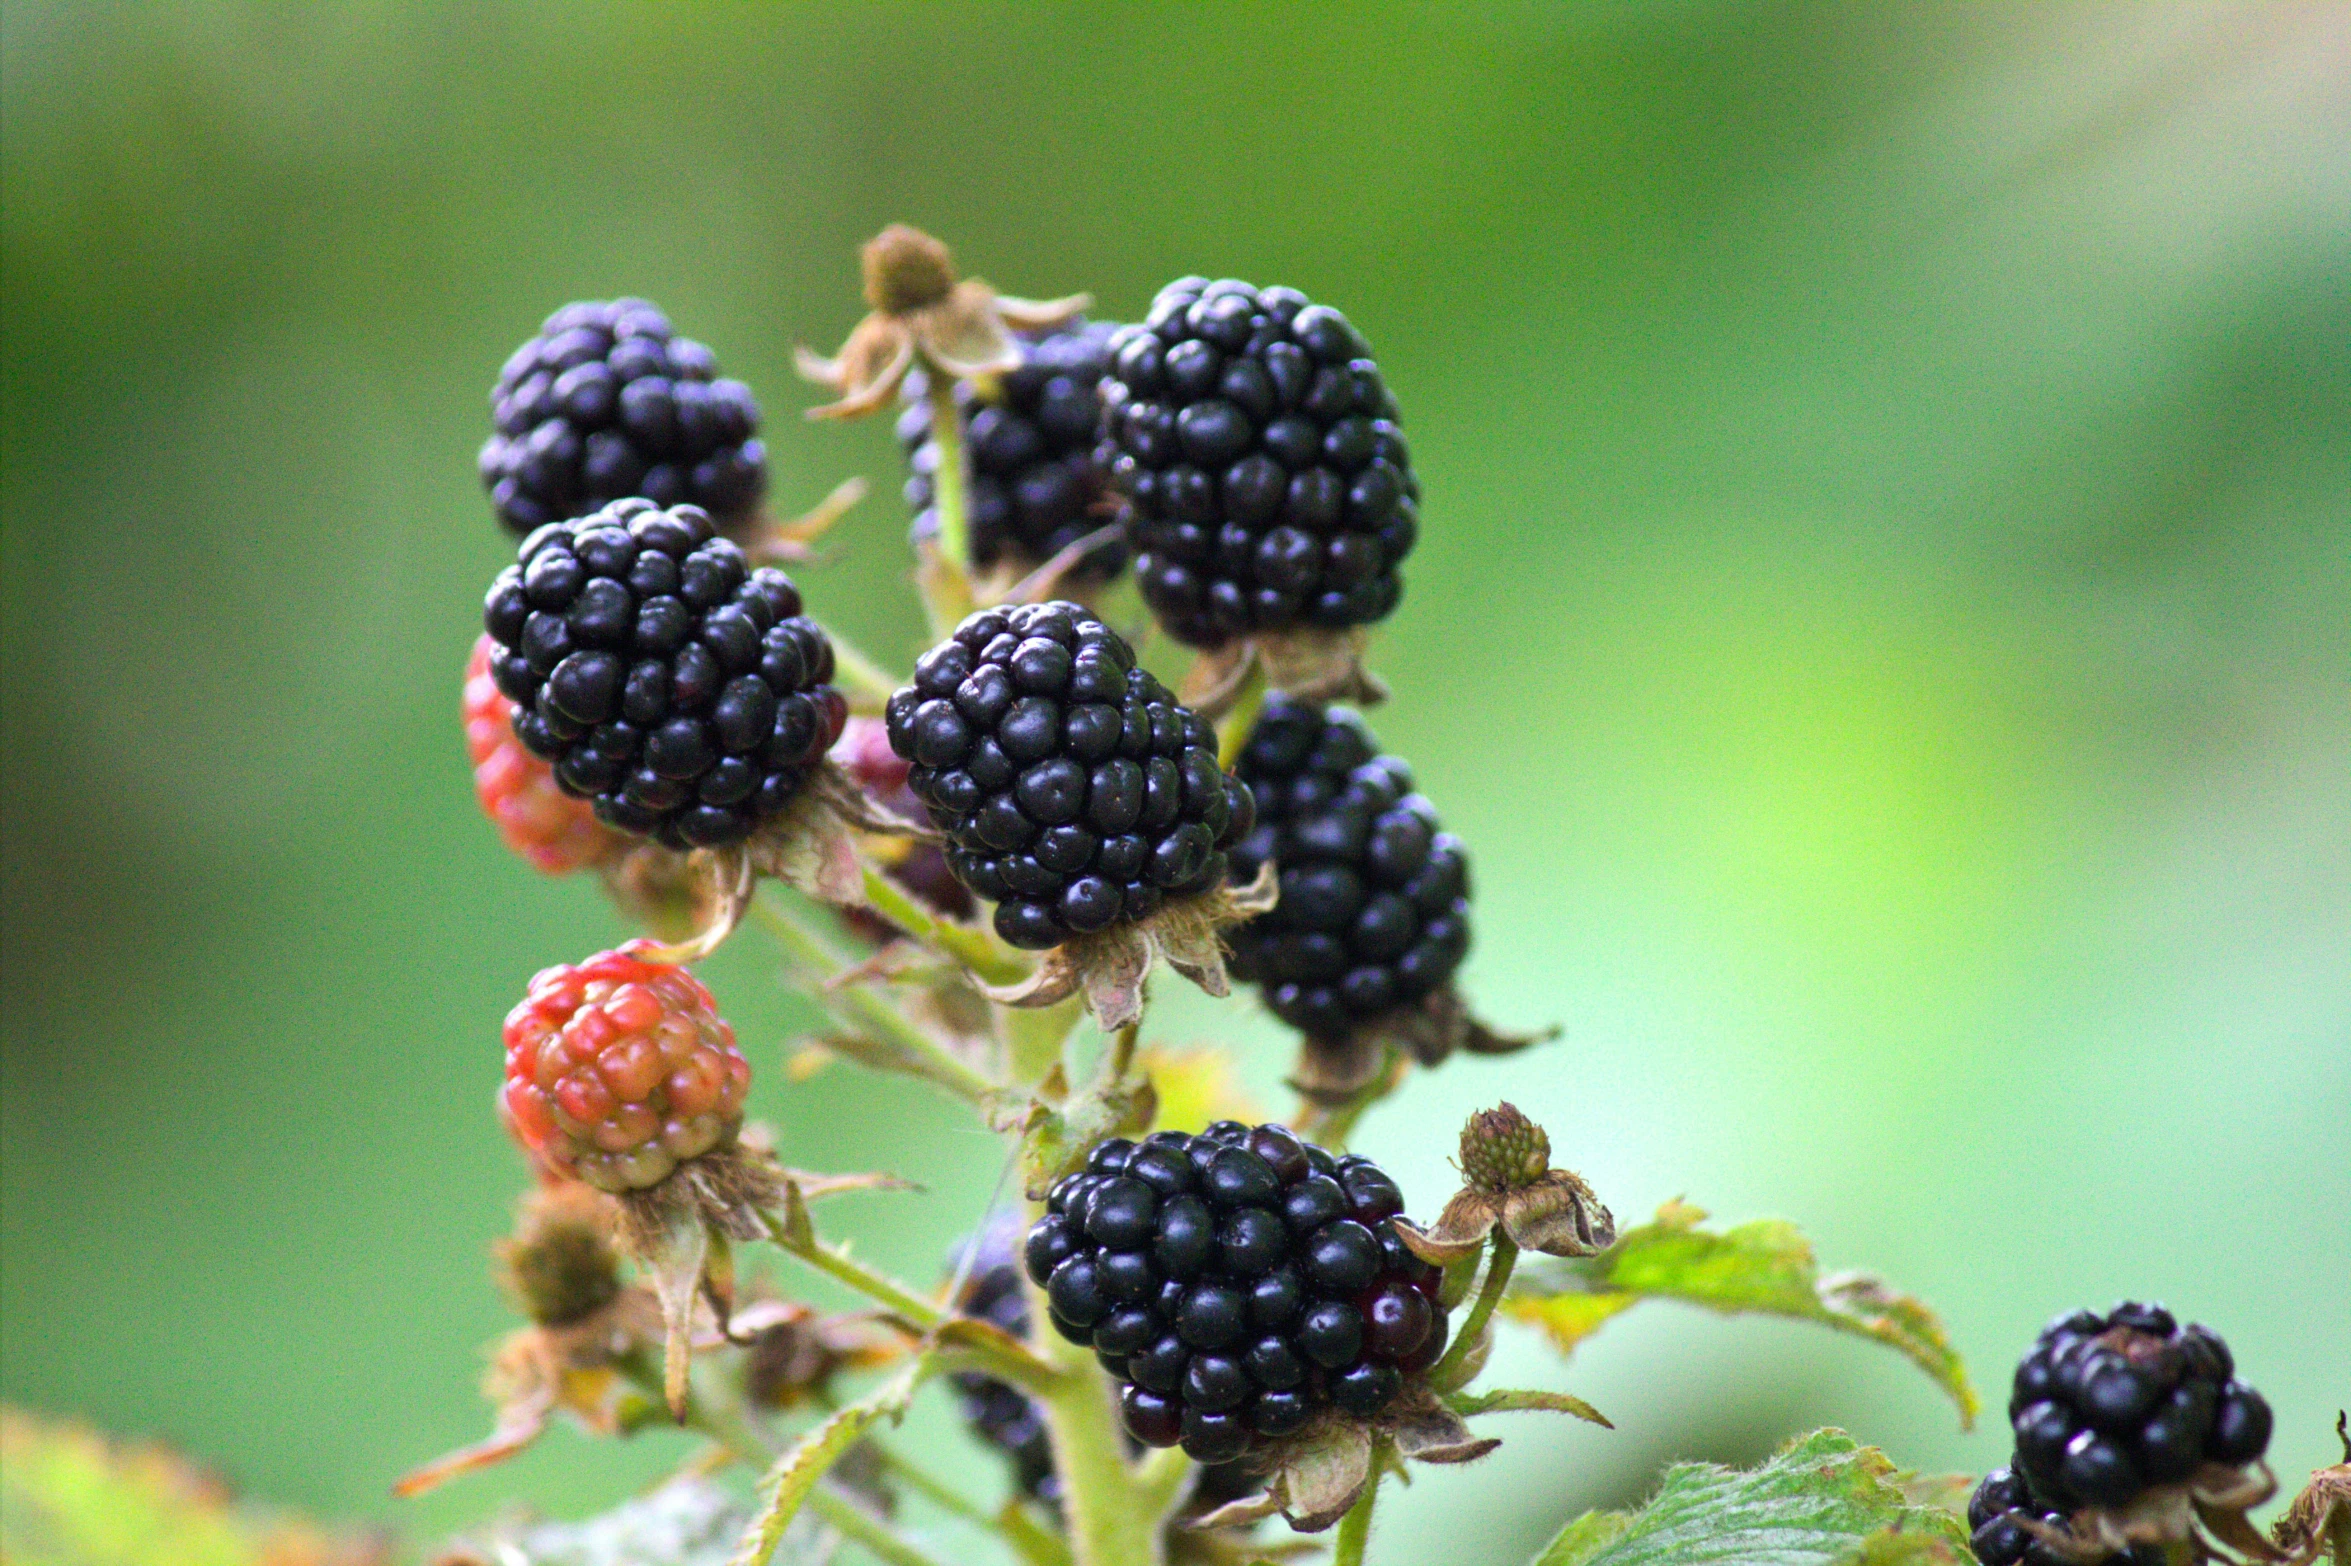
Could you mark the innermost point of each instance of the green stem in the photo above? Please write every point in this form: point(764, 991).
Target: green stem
point(859, 1006)
point(1107, 1513)
point(1232, 730)
point(962, 942)
point(1498, 1265)
point(877, 1536)
point(946, 588)
point(866, 683)
point(1355, 1527)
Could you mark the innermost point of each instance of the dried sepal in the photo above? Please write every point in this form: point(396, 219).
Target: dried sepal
point(1108, 969)
point(2203, 1514)
point(1330, 1071)
point(793, 1353)
point(1310, 663)
point(540, 1371)
point(811, 844)
point(1320, 1473)
point(2319, 1520)
point(963, 329)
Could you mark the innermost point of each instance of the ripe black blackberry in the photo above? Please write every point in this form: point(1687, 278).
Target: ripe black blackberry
point(2108, 1406)
point(1239, 1282)
point(666, 680)
point(1996, 1516)
point(1003, 1416)
point(1075, 793)
point(1257, 447)
point(1037, 485)
point(607, 403)
point(1374, 908)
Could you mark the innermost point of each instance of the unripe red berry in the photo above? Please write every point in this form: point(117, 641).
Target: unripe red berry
point(555, 832)
point(619, 1070)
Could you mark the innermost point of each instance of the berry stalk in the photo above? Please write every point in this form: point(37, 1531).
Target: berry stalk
point(967, 946)
point(1355, 1527)
point(1111, 1518)
point(949, 597)
point(1481, 1310)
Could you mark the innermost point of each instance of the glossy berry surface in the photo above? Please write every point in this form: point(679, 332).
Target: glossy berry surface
point(2108, 1406)
point(1267, 484)
point(661, 677)
point(1374, 907)
point(1238, 1283)
point(619, 1070)
point(1037, 483)
point(608, 403)
point(1996, 1518)
point(864, 755)
point(555, 832)
point(1075, 793)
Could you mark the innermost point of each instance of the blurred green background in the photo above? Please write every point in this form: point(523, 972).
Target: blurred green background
point(1881, 625)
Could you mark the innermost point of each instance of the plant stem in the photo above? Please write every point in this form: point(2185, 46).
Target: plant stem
point(947, 589)
point(1108, 1515)
point(965, 944)
point(860, 1006)
point(1232, 730)
point(1498, 1265)
point(1355, 1527)
point(877, 1536)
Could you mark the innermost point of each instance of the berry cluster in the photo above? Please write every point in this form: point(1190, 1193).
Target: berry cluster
point(1257, 447)
point(2106, 1407)
point(538, 820)
point(619, 1070)
point(1996, 1516)
point(679, 689)
point(1074, 791)
point(997, 1412)
point(1036, 485)
point(1374, 909)
point(1238, 1282)
point(605, 403)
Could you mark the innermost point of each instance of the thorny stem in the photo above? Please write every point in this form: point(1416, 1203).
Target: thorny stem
point(1110, 1520)
point(1498, 1265)
point(1355, 1527)
point(1232, 730)
point(740, 1439)
point(965, 944)
point(860, 1006)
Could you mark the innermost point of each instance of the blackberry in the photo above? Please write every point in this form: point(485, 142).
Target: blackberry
point(1374, 909)
point(1075, 793)
point(1256, 445)
point(1996, 1517)
point(2107, 1407)
point(607, 403)
point(1037, 485)
point(1239, 1283)
point(997, 1412)
point(665, 679)
point(1003, 1416)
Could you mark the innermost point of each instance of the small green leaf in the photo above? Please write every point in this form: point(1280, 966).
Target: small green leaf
point(1521, 1402)
point(1822, 1500)
point(1766, 1267)
point(786, 1485)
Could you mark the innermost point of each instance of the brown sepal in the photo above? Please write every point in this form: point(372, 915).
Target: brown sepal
point(2319, 1520)
point(1310, 664)
point(1320, 1473)
point(2205, 1510)
point(1331, 1071)
point(1109, 969)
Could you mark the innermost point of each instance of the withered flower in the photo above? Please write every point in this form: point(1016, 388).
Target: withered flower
point(1510, 1184)
point(962, 329)
point(794, 1353)
point(2320, 1518)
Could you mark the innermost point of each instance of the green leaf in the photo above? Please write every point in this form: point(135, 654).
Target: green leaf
point(1766, 1267)
point(1512, 1401)
point(786, 1485)
point(1822, 1500)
